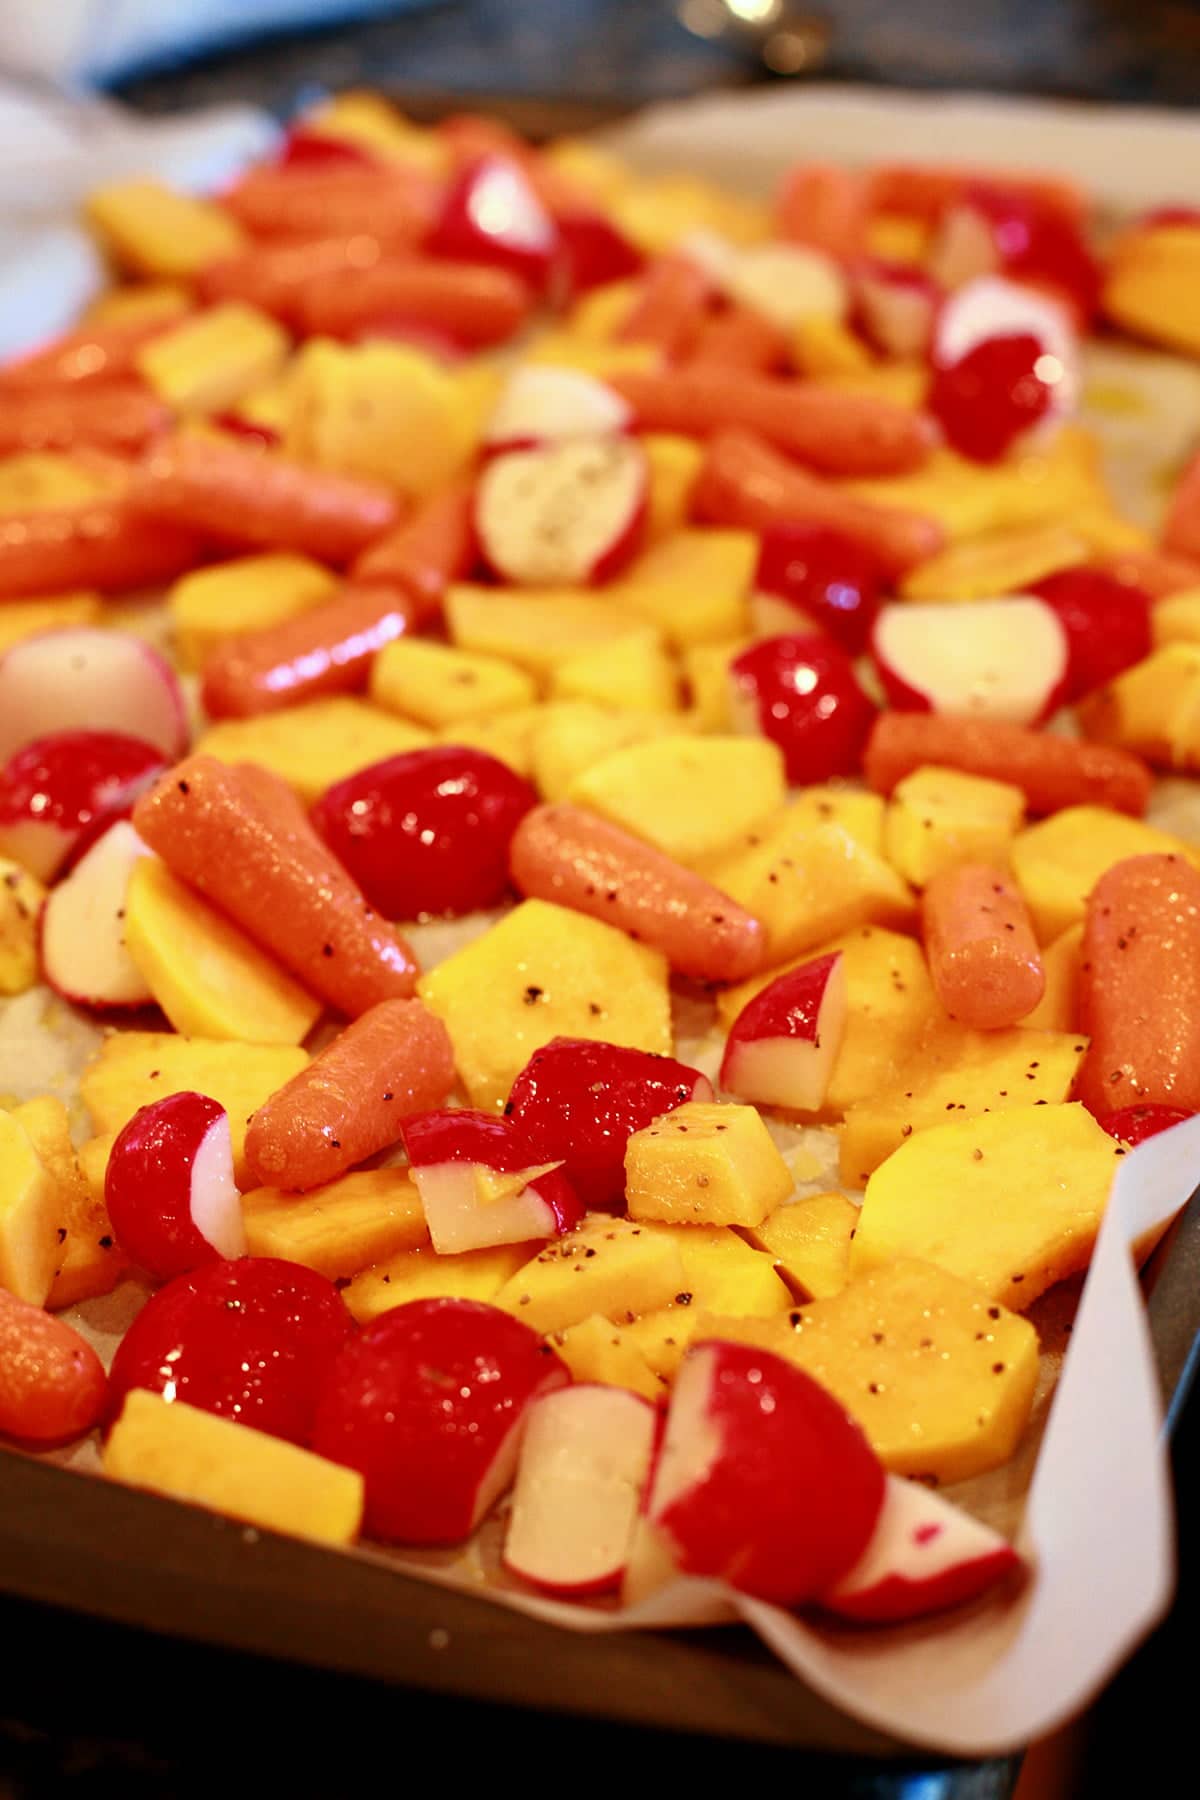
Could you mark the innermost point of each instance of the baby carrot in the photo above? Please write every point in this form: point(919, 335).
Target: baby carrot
point(1051, 771)
point(983, 956)
point(248, 496)
point(925, 190)
point(746, 483)
point(82, 358)
point(1139, 986)
point(351, 1099)
point(394, 203)
point(327, 650)
point(824, 207)
point(52, 1383)
point(1181, 533)
point(114, 415)
point(427, 551)
point(739, 338)
point(246, 851)
point(575, 859)
point(671, 307)
point(473, 303)
point(103, 544)
point(275, 276)
point(839, 434)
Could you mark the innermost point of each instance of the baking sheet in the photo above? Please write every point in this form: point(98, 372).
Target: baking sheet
point(993, 1677)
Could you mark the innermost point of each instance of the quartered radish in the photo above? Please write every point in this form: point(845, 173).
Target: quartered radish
point(541, 404)
point(783, 1044)
point(563, 516)
point(992, 307)
point(585, 1459)
point(84, 679)
point(813, 575)
point(491, 215)
point(1107, 623)
point(83, 934)
point(924, 1555)
point(983, 659)
point(991, 229)
point(897, 307)
point(593, 252)
point(803, 694)
point(59, 790)
point(169, 1186)
point(480, 1183)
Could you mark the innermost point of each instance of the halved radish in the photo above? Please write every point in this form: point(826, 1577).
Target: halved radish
point(993, 229)
point(585, 1459)
point(788, 283)
point(541, 404)
point(563, 516)
point(991, 307)
point(593, 252)
point(983, 659)
point(480, 1184)
point(492, 215)
point(82, 930)
point(924, 1555)
point(84, 679)
point(169, 1186)
point(897, 307)
point(783, 1044)
point(59, 791)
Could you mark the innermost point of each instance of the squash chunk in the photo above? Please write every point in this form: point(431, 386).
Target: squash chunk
point(28, 1216)
point(598, 1350)
point(940, 1380)
point(940, 818)
point(535, 631)
point(210, 607)
point(571, 735)
point(693, 585)
point(89, 1261)
point(313, 745)
point(438, 686)
point(963, 1074)
point(722, 1272)
point(1011, 1201)
point(705, 1165)
point(20, 903)
point(340, 1228)
point(606, 1266)
point(175, 1449)
point(1058, 862)
point(810, 1242)
point(421, 1274)
point(546, 972)
point(632, 674)
point(691, 797)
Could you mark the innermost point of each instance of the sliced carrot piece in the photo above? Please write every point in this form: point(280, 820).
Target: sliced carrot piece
point(475, 304)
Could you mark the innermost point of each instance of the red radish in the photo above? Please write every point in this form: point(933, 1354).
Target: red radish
point(1134, 1124)
point(541, 404)
point(593, 252)
point(169, 1186)
point(783, 1044)
point(992, 397)
point(803, 694)
point(426, 832)
point(82, 929)
point(429, 1404)
point(52, 1383)
point(787, 283)
point(238, 426)
point(763, 1480)
point(564, 516)
point(585, 1459)
point(981, 659)
point(993, 308)
point(305, 145)
point(897, 307)
point(924, 1555)
point(480, 1183)
point(992, 229)
point(85, 679)
point(491, 214)
point(579, 1100)
point(251, 1340)
point(58, 789)
point(1107, 623)
point(821, 577)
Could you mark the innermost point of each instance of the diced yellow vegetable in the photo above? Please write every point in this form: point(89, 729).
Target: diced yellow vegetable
point(706, 670)
point(88, 1260)
point(598, 1350)
point(940, 818)
point(608, 1266)
point(941, 1382)
point(175, 1449)
point(858, 813)
point(959, 1074)
point(1008, 562)
point(207, 362)
point(572, 350)
point(810, 1242)
point(363, 117)
point(675, 463)
point(314, 745)
point(21, 619)
point(29, 1219)
point(211, 606)
point(509, 736)
point(824, 346)
point(897, 237)
point(1058, 1008)
point(341, 1228)
point(723, 1272)
point(535, 631)
point(546, 972)
point(438, 686)
point(1152, 708)
point(600, 313)
point(691, 797)
point(1150, 286)
point(588, 166)
point(35, 479)
point(1176, 618)
point(421, 1274)
point(632, 673)
point(705, 1165)
point(1058, 861)
point(154, 230)
point(693, 585)
point(139, 302)
point(902, 383)
point(658, 211)
point(20, 903)
point(1011, 1201)
point(571, 735)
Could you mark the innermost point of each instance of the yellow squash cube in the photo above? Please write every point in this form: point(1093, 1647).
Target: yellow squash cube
point(140, 302)
point(691, 797)
point(1011, 1201)
point(153, 230)
point(535, 631)
point(207, 362)
point(171, 1448)
point(632, 673)
point(959, 1074)
point(598, 1350)
point(694, 585)
point(705, 1165)
point(570, 735)
point(675, 463)
point(600, 314)
point(314, 745)
point(1058, 1008)
point(21, 619)
point(341, 1228)
point(1030, 490)
point(1151, 282)
point(88, 1260)
point(437, 686)
point(662, 1337)
point(36, 479)
point(29, 1221)
point(421, 1274)
point(824, 346)
point(808, 882)
point(941, 1382)
point(722, 1272)
point(940, 819)
point(608, 1266)
point(1176, 618)
point(706, 671)
point(1058, 861)
point(211, 606)
point(810, 1242)
point(20, 904)
point(1007, 562)
point(1152, 708)
point(546, 972)
point(508, 736)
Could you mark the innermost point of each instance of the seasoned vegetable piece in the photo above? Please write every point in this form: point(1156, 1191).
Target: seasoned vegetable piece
point(52, 1384)
point(983, 957)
